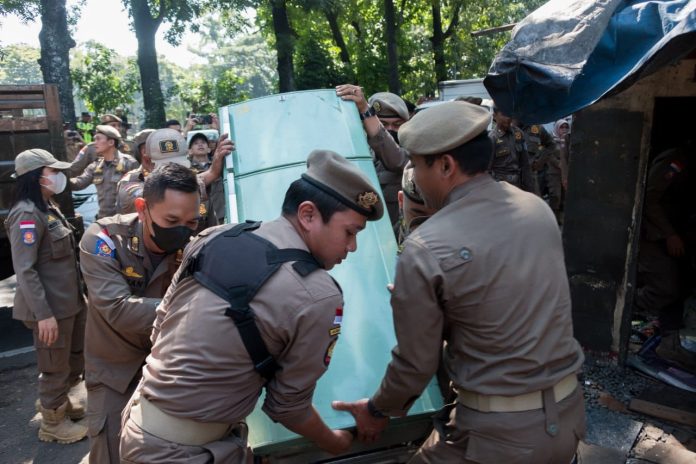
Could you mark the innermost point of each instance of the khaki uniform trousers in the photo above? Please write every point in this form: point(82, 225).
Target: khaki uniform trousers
point(467, 436)
point(61, 364)
point(104, 407)
point(141, 447)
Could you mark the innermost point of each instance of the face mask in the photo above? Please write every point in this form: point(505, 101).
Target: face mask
point(58, 182)
point(395, 135)
point(169, 239)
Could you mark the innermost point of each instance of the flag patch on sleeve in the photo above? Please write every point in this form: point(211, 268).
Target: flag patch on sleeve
point(28, 229)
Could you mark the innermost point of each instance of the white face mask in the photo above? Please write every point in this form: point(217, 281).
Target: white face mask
point(58, 182)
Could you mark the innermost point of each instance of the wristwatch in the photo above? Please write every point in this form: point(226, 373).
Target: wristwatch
point(373, 410)
point(368, 114)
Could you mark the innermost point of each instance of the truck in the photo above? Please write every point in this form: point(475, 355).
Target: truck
point(30, 117)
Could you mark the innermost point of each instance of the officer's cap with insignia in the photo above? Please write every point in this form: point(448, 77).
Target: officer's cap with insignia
point(408, 186)
point(36, 158)
point(167, 146)
point(389, 105)
point(107, 118)
point(338, 177)
point(109, 132)
point(443, 127)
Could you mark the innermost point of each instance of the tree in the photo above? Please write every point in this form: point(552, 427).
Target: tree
point(440, 35)
point(285, 45)
point(19, 65)
point(102, 81)
point(146, 18)
point(55, 41)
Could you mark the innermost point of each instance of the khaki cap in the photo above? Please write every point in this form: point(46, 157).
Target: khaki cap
point(35, 158)
point(389, 105)
point(167, 146)
point(109, 132)
point(408, 186)
point(443, 127)
point(141, 137)
point(107, 118)
point(338, 177)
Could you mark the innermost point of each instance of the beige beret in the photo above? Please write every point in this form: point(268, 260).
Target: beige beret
point(107, 118)
point(338, 177)
point(141, 137)
point(387, 105)
point(408, 186)
point(443, 127)
point(109, 132)
point(167, 146)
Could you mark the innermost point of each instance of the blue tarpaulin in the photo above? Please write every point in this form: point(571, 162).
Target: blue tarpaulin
point(570, 53)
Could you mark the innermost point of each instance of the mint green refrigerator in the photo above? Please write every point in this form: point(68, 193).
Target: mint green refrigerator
point(273, 136)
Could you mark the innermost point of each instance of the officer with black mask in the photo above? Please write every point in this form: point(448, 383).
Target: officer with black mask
point(382, 116)
point(128, 262)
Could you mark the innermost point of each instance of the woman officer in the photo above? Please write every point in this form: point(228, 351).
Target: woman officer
point(48, 298)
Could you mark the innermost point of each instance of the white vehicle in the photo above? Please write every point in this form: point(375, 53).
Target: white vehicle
point(449, 90)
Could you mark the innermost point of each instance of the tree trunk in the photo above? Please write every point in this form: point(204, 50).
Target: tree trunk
point(56, 43)
point(392, 47)
point(285, 46)
point(332, 18)
point(145, 29)
point(438, 41)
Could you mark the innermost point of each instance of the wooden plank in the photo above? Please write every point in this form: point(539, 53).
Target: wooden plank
point(21, 88)
point(23, 125)
point(23, 105)
point(663, 412)
point(11, 97)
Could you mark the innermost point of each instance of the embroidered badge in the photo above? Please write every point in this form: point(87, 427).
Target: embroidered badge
point(535, 129)
point(338, 318)
point(102, 248)
point(105, 245)
point(134, 244)
point(202, 210)
point(518, 135)
point(377, 106)
point(368, 199)
point(335, 331)
point(169, 146)
point(130, 272)
point(329, 352)
point(28, 229)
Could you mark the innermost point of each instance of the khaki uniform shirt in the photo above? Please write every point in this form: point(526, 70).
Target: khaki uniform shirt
point(105, 176)
point(207, 208)
point(487, 274)
point(124, 290)
point(510, 161)
point(390, 160)
point(199, 368)
point(84, 158)
point(45, 261)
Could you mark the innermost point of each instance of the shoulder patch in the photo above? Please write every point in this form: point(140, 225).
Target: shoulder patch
point(28, 229)
point(101, 248)
point(106, 238)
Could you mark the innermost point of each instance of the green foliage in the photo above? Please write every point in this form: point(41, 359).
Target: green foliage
point(315, 68)
point(19, 65)
point(103, 81)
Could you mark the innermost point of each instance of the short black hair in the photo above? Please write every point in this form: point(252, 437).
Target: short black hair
point(170, 123)
point(196, 136)
point(27, 187)
point(169, 176)
point(473, 157)
point(301, 190)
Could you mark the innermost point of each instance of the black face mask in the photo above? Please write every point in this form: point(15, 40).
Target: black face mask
point(395, 135)
point(169, 239)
